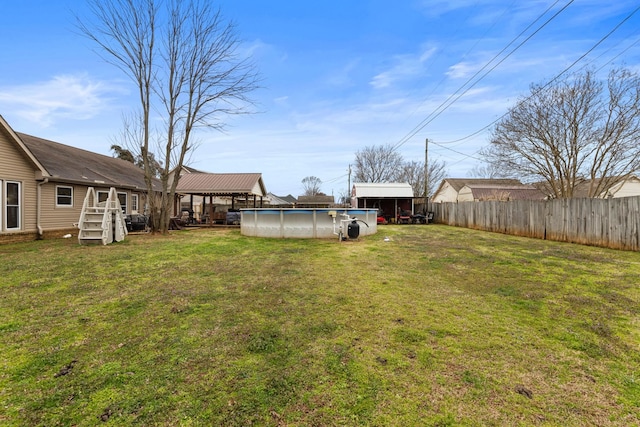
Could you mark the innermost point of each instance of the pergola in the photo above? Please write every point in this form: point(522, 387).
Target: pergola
point(210, 185)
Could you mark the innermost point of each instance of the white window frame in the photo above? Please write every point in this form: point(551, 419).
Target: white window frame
point(123, 205)
point(7, 206)
point(64, 205)
point(134, 203)
point(102, 194)
point(1, 205)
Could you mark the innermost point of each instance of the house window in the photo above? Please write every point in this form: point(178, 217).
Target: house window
point(122, 197)
point(134, 203)
point(64, 196)
point(12, 205)
point(102, 196)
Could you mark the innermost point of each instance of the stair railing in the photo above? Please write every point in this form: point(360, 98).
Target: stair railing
point(114, 207)
point(91, 195)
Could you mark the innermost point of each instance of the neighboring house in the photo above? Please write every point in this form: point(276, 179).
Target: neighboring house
point(189, 169)
point(318, 201)
point(43, 185)
point(390, 198)
point(449, 188)
point(287, 201)
point(476, 193)
point(627, 188)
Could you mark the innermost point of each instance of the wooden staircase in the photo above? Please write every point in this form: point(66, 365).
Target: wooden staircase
point(101, 222)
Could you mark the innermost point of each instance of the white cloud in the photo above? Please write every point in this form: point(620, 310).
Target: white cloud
point(405, 66)
point(342, 77)
point(441, 7)
point(258, 49)
point(282, 101)
point(74, 97)
point(461, 70)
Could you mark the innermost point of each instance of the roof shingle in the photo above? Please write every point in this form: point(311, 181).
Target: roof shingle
point(69, 164)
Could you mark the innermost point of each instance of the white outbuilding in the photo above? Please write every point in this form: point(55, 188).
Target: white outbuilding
point(390, 198)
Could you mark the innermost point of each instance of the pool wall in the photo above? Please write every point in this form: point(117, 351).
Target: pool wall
point(303, 223)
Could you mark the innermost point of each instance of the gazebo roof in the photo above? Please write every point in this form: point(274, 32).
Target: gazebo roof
point(222, 184)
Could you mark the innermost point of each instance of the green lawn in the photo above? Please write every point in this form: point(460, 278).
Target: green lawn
point(438, 326)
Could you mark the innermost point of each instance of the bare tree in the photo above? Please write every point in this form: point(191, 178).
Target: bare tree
point(125, 32)
point(377, 164)
point(183, 61)
point(437, 172)
point(344, 198)
point(130, 150)
point(575, 130)
point(412, 172)
point(311, 186)
point(486, 170)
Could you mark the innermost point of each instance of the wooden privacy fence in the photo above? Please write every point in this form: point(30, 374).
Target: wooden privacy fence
point(611, 223)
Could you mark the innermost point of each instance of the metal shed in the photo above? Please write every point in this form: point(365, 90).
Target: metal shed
point(391, 198)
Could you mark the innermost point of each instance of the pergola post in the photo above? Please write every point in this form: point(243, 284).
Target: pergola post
point(210, 210)
point(176, 197)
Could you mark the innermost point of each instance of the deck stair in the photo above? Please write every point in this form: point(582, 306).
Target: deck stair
point(101, 222)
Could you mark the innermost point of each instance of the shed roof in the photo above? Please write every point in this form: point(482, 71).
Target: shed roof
point(382, 190)
point(74, 165)
point(221, 184)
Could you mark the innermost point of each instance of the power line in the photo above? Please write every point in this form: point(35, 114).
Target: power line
point(443, 106)
point(332, 180)
point(456, 151)
point(442, 80)
point(558, 75)
point(621, 53)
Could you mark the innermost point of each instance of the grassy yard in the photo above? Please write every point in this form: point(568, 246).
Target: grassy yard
point(437, 326)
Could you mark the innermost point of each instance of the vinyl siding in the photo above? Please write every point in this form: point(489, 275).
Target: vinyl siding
point(61, 217)
point(15, 166)
point(58, 217)
point(630, 188)
point(446, 194)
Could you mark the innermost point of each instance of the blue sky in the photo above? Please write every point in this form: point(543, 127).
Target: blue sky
point(338, 76)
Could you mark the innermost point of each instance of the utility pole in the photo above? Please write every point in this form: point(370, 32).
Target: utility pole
point(349, 188)
point(426, 174)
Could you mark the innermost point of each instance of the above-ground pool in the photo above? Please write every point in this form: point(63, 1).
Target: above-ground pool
point(305, 223)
